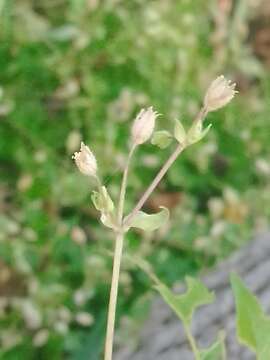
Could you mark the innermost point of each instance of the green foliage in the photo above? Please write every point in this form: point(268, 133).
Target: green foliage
point(215, 352)
point(150, 222)
point(102, 200)
point(253, 326)
point(103, 203)
point(185, 305)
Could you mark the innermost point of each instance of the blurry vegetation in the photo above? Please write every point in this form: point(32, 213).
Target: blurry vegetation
point(81, 69)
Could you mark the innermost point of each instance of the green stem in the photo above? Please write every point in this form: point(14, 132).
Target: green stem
point(192, 342)
point(124, 187)
point(113, 296)
point(116, 264)
point(179, 148)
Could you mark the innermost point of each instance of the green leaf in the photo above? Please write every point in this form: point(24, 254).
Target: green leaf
point(102, 200)
point(184, 305)
point(103, 203)
point(197, 133)
point(108, 220)
point(215, 352)
point(162, 139)
point(253, 326)
point(179, 132)
point(151, 222)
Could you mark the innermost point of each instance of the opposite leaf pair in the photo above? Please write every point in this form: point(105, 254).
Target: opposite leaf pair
point(103, 203)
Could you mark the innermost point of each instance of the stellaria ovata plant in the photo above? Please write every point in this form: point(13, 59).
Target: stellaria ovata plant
point(219, 94)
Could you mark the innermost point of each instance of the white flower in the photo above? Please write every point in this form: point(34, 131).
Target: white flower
point(84, 319)
point(85, 161)
point(41, 338)
point(220, 93)
point(143, 126)
point(31, 314)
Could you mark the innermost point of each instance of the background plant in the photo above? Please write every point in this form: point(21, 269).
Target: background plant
point(69, 71)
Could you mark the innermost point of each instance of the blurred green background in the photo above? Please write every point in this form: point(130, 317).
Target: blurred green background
point(82, 69)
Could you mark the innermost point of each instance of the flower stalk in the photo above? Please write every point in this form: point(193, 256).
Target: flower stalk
point(219, 93)
point(179, 148)
point(117, 262)
point(113, 295)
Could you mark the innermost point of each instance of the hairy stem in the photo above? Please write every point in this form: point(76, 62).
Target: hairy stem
point(113, 296)
point(179, 148)
point(192, 342)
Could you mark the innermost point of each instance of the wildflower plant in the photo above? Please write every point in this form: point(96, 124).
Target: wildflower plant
point(219, 94)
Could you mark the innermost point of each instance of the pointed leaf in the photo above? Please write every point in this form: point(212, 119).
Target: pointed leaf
point(103, 203)
point(162, 138)
point(179, 132)
point(108, 220)
point(184, 305)
point(253, 326)
point(150, 222)
point(102, 200)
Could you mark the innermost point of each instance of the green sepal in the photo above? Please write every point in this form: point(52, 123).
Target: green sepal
point(180, 132)
point(197, 133)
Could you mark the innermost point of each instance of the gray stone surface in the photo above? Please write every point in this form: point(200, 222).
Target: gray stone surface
point(163, 338)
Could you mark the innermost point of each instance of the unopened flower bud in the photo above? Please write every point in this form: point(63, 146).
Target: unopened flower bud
point(143, 126)
point(85, 161)
point(220, 93)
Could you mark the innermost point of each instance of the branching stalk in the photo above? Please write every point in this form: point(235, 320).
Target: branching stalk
point(179, 148)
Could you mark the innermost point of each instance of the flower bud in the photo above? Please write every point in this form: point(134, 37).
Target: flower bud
point(143, 126)
point(220, 93)
point(85, 161)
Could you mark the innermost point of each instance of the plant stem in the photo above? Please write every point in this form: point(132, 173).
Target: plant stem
point(192, 342)
point(116, 264)
point(120, 237)
point(124, 187)
point(113, 296)
point(179, 148)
